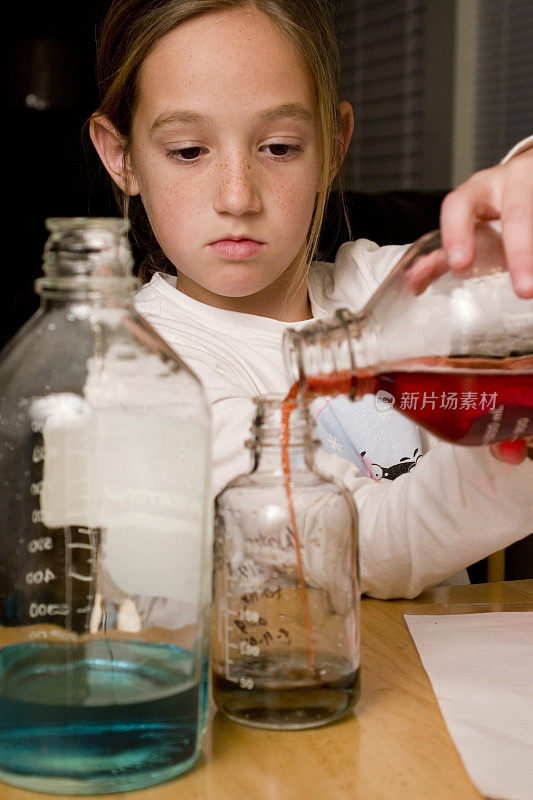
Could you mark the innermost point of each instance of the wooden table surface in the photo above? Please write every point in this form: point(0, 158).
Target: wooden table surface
point(395, 747)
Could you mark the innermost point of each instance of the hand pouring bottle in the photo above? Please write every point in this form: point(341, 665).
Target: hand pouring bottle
point(453, 352)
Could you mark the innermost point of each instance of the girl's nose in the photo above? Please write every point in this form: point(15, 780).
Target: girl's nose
point(237, 189)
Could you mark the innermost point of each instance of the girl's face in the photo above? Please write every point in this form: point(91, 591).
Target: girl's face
point(226, 156)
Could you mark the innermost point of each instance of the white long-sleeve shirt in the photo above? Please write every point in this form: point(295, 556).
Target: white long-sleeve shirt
point(458, 505)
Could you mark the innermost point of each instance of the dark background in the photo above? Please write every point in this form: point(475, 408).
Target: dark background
point(50, 168)
point(49, 91)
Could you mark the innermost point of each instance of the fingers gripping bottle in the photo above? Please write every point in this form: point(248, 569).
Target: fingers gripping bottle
point(453, 352)
point(285, 628)
point(105, 536)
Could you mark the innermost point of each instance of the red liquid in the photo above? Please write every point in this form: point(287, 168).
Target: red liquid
point(289, 405)
point(466, 401)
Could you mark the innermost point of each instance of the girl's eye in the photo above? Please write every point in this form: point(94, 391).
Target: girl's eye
point(281, 150)
point(187, 153)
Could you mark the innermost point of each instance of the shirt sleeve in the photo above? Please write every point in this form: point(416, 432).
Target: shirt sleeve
point(521, 147)
point(458, 506)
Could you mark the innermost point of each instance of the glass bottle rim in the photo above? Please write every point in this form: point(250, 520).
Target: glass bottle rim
point(117, 225)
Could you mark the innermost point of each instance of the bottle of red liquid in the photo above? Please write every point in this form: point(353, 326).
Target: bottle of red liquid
point(454, 353)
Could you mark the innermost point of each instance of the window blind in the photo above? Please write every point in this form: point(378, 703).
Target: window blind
point(504, 78)
point(422, 121)
point(382, 52)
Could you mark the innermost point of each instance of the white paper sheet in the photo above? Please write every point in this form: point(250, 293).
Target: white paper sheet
point(481, 670)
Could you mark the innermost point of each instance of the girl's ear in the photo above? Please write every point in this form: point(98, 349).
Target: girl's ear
point(344, 136)
point(111, 147)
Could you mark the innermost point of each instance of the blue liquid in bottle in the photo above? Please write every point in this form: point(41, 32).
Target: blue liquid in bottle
point(100, 716)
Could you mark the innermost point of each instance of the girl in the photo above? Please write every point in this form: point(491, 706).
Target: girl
point(220, 126)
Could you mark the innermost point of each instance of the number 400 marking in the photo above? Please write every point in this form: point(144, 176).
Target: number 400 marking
point(40, 576)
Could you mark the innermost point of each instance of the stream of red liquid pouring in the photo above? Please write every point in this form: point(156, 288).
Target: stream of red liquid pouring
point(289, 404)
point(338, 383)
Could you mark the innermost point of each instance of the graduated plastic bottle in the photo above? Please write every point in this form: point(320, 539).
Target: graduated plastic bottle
point(454, 353)
point(105, 539)
point(285, 625)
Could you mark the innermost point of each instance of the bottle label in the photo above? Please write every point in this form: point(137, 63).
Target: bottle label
point(141, 478)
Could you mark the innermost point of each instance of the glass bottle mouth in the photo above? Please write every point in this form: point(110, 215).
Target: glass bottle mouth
point(276, 416)
point(86, 247)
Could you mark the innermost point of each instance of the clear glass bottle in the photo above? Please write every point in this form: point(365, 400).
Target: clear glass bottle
point(453, 352)
point(105, 541)
point(285, 626)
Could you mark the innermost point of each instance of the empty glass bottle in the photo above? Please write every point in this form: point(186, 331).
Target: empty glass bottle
point(105, 540)
point(455, 353)
point(285, 626)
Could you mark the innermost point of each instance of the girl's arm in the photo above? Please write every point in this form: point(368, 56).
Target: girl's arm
point(457, 506)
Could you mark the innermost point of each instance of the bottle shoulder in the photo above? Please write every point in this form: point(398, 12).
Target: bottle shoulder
point(109, 354)
point(146, 333)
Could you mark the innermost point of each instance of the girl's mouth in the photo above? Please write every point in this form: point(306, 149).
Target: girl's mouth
point(235, 249)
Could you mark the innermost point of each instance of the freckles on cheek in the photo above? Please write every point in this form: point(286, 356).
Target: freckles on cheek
point(297, 202)
point(158, 206)
point(167, 197)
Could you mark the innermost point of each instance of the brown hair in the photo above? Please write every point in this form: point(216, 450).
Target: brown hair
point(131, 28)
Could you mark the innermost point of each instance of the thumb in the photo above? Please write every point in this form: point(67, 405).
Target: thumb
point(510, 452)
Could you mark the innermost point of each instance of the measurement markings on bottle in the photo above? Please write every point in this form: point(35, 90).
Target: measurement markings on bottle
point(48, 609)
point(90, 548)
point(229, 644)
point(86, 610)
point(40, 545)
point(248, 649)
point(38, 454)
point(40, 576)
point(78, 577)
point(245, 615)
point(80, 546)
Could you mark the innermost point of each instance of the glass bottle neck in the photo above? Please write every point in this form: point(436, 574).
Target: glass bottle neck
point(331, 357)
point(103, 292)
point(282, 436)
point(275, 458)
point(87, 260)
